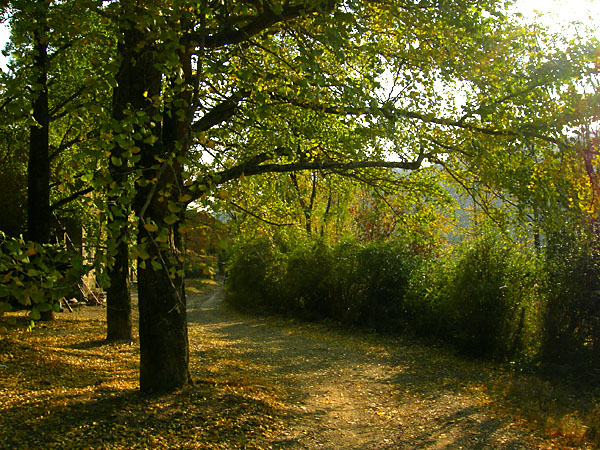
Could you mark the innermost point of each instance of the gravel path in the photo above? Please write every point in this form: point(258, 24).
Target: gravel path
point(353, 390)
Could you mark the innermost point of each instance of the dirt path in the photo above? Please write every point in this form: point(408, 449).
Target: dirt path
point(352, 390)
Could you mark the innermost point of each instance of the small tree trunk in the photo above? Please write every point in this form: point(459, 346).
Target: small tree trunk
point(118, 298)
point(38, 168)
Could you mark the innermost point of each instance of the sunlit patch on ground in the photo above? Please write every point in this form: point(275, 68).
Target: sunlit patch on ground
point(264, 383)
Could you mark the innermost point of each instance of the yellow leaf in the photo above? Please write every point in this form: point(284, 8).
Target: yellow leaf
point(150, 227)
point(31, 250)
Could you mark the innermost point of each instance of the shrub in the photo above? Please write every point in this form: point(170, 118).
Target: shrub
point(489, 297)
point(36, 276)
point(254, 275)
point(308, 281)
point(482, 298)
point(572, 313)
point(371, 281)
point(355, 283)
point(426, 296)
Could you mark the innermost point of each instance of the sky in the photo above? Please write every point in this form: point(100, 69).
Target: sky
point(555, 13)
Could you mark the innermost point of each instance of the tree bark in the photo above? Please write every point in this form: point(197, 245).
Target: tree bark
point(164, 355)
point(38, 168)
point(118, 298)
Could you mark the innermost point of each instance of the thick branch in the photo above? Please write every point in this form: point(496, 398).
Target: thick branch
point(253, 168)
point(219, 113)
point(260, 23)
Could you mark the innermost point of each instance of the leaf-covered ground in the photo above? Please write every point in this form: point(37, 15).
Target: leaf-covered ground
point(265, 383)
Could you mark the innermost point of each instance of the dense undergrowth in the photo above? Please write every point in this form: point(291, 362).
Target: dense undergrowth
point(487, 296)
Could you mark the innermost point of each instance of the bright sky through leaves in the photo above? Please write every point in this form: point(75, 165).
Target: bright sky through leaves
point(557, 13)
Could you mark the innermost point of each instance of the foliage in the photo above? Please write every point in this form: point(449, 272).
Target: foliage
point(253, 275)
point(484, 297)
point(413, 207)
point(36, 275)
point(572, 309)
point(198, 265)
point(351, 282)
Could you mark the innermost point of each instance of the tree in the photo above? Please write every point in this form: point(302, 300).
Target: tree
point(51, 91)
point(212, 92)
point(255, 63)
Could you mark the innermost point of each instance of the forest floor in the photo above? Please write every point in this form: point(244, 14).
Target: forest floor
point(274, 383)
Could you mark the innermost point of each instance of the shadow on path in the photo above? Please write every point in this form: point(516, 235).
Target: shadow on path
point(351, 390)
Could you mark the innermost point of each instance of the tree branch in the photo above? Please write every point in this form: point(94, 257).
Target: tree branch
point(260, 23)
point(219, 113)
point(393, 114)
point(70, 198)
point(253, 167)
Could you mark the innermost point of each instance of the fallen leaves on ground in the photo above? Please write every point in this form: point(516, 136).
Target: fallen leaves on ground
point(62, 386)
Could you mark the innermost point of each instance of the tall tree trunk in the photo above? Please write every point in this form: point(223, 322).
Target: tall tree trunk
point(118, 298)
point(164, 354)
point(38, 168)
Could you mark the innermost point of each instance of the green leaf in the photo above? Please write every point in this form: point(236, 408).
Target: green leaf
point(171, 219)
point(152, 228)
point(142, 253)
point(44, 307)
point(35, 314)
